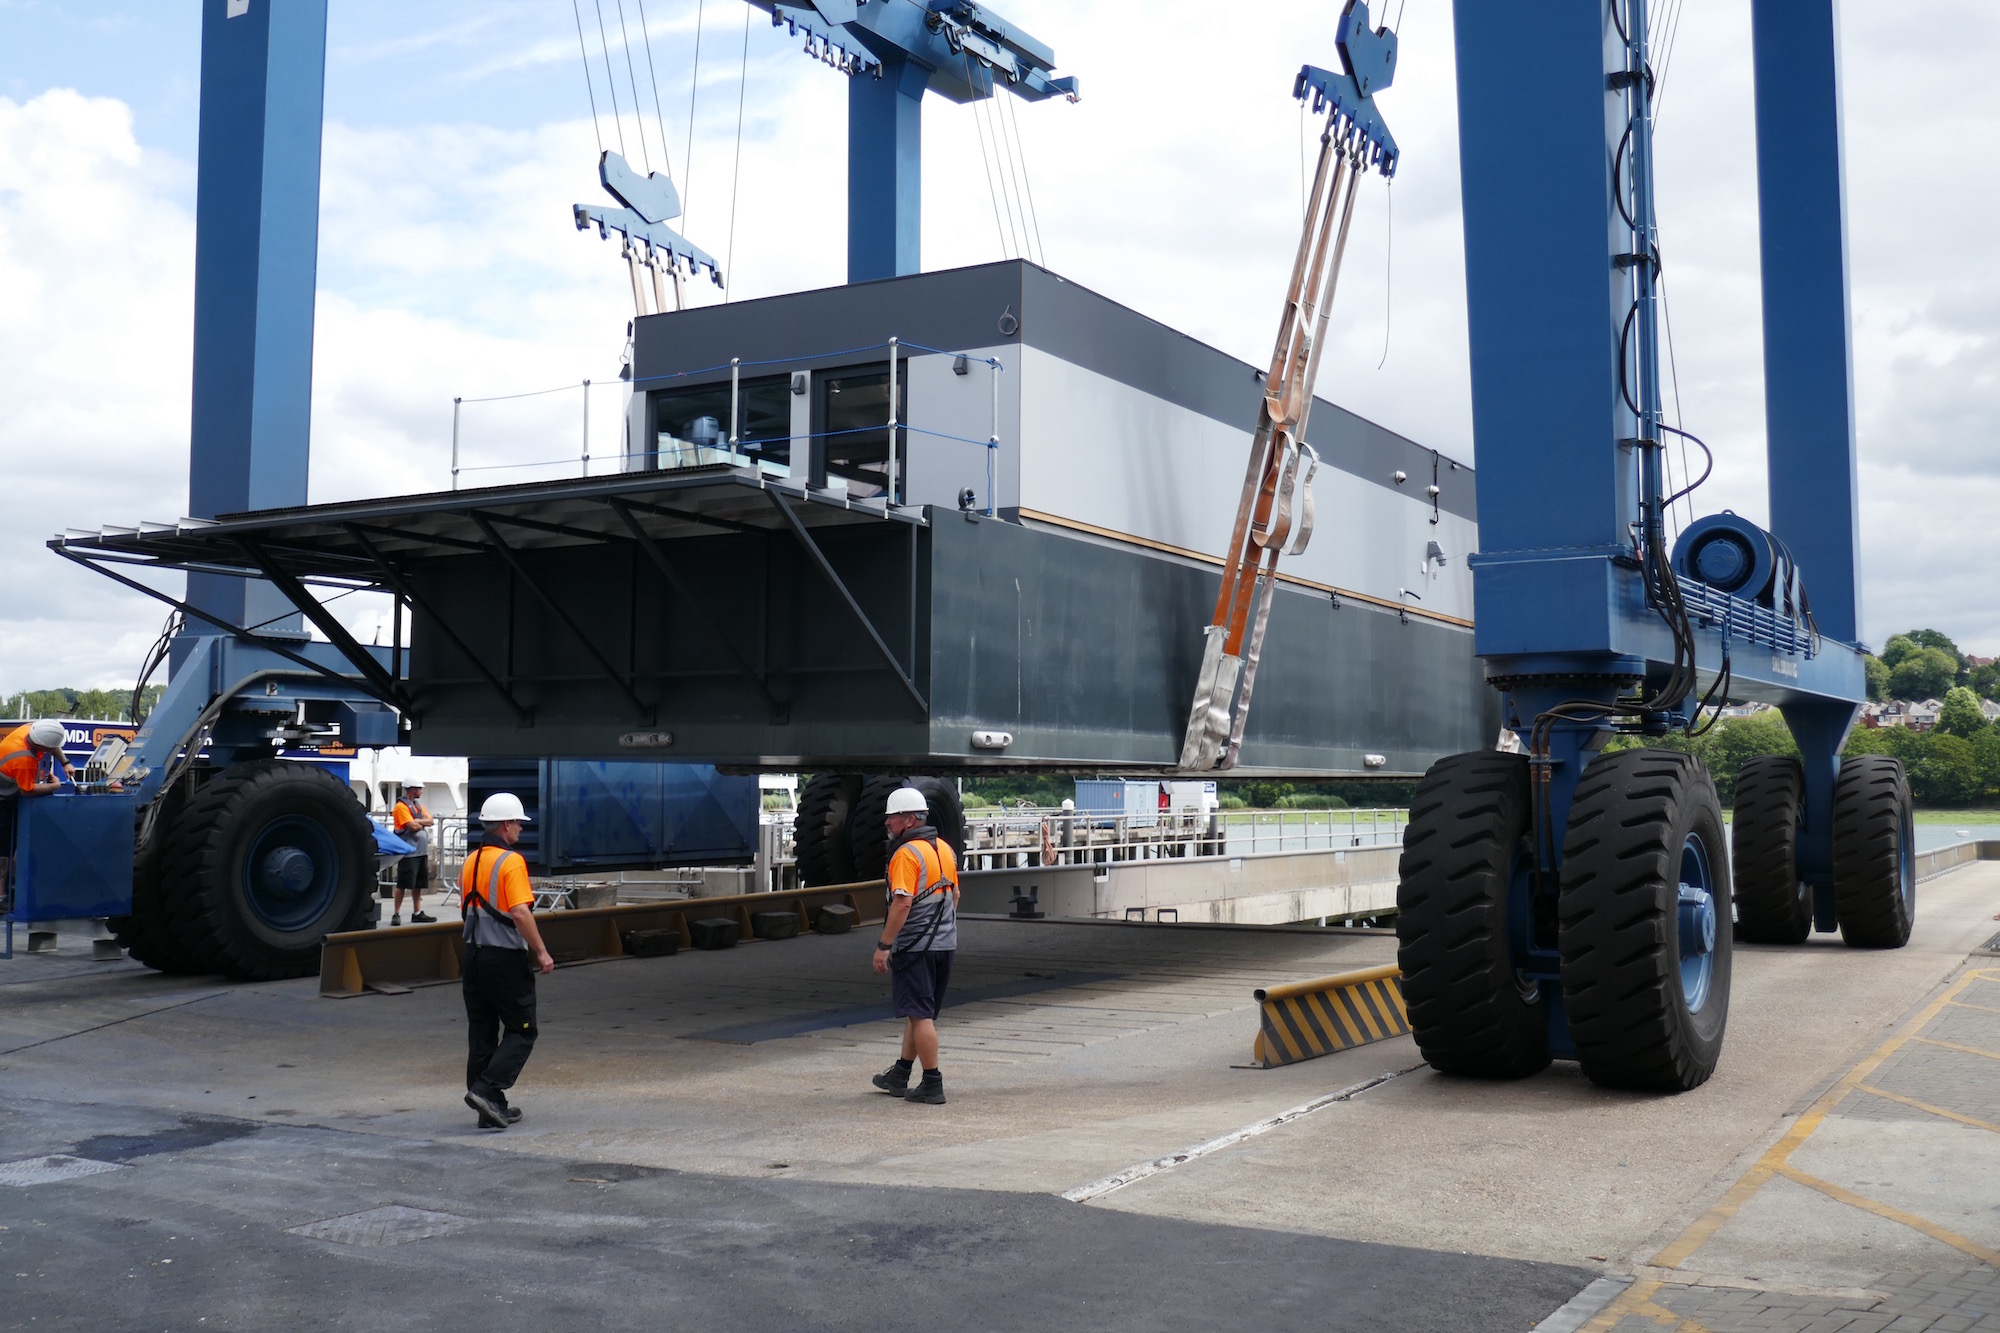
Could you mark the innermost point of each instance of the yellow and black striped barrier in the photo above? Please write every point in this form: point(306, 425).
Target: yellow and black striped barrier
point(1308, 1019)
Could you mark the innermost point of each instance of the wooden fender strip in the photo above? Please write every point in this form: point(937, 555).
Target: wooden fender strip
point(355, 962)
point(1308, 1019)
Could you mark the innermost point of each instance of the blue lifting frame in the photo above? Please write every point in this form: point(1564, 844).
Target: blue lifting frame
point(1562, 265)
point(894, 53)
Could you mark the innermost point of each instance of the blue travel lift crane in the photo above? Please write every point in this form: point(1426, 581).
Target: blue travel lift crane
point(893, 53)
point(1558, 901)
point(206, 848)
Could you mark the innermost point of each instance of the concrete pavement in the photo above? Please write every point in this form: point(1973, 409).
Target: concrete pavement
point(1097, 1047)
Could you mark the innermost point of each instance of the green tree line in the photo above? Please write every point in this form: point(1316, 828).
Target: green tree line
point(1958, 763)
point(1923, 664)
point(65, 702)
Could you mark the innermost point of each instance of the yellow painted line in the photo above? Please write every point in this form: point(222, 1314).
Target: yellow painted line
point(1347, 1024)
point(1703, 1229)
point(1982, 1008)
point(1880, 1209)
point(1322, 1009)
point(1926, 1106)
point(1362, 1007)
point(1291, 1047)
point(1954, 1046)
point(1637, 1299)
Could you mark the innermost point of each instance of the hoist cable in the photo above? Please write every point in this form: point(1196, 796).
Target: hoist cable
point(616, 118)
point(1666, 61)
point(1302, 157)
point(1027, 182)
point(694, 86)
point(653, 77)
point(985, 162)
point(1010, 180)
point(1000, 171)
point(1388, 266)
point(589, 87)
point(736, 172)
point(1673, 368)
point(638, 117)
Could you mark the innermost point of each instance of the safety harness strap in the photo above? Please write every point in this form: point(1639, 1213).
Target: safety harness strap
point(480, 900)
point(924, 891)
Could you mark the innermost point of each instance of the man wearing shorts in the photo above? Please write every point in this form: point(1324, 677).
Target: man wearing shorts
point(918, 941)
point(412, 823)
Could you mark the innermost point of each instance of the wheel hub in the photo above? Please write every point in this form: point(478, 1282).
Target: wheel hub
point(1697, 921)
point(291, 872)
point(287, 870)
point(1697, 925)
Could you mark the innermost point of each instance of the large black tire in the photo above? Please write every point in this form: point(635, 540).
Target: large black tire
point(265, 862)
point(1635, 1016)
point(1874, 853)
point(947, 812)
point(1467, 837)
point(867, 833)
point(146, 934)
point(819, 835)
point(1772, 905)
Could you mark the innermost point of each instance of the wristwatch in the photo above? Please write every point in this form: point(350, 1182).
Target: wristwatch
point(890, 945)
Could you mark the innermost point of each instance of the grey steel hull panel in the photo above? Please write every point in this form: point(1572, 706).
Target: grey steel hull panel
point(1085, 651)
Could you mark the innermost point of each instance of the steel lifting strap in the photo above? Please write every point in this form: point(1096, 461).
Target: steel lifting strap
point(1265, 516)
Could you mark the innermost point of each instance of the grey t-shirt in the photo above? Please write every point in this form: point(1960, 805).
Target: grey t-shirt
point(419, 838)
point(917, 871)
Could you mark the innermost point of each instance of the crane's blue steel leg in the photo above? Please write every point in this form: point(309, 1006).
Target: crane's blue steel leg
point(1808, 361)
point(256, 254)
point(1809, 368)
point(1821, 729)
point(1557, 496)
point(885, 171)
point(1558, 595)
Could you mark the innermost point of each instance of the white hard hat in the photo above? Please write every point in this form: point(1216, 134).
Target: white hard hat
point(500, 807)
point(907, 801)
point(46, 733)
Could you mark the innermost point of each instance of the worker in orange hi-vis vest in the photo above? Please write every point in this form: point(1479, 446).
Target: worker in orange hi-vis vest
point(31, 757)
point(31, 763)
point(503, 951)
point(918, 941)
point(412, 823)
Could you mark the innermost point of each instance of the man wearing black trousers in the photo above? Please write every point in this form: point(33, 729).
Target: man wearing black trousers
point(499, 978)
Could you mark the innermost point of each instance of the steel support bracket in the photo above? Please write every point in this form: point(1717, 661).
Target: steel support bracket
point(832, 576)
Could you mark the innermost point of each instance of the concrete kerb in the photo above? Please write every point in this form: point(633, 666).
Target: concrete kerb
point(1307, 1019)
point(1934, 863)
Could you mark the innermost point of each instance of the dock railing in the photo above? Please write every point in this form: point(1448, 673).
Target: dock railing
point(1001, 838)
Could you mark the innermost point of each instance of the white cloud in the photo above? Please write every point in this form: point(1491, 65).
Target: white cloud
point(450, 267)
point(98, 269)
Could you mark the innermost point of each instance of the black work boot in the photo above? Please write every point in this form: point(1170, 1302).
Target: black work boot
point(929, 1089)
point(492, 1115)
point(895, 1079)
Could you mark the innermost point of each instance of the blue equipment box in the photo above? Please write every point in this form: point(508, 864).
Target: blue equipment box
point(72, 856)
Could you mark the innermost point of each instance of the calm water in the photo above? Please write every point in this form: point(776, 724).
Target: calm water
point(1931, 836)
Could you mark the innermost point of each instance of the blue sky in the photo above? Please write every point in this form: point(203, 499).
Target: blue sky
point(458, 134)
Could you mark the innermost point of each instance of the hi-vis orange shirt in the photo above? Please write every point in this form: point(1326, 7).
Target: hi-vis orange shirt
point(925, 869)
point(501, 877)
point(18, 763)
point(510, 891)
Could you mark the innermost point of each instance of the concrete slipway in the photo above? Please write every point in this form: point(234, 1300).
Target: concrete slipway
point(702, 1149)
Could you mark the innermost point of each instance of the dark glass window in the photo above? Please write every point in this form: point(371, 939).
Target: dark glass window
point(691, 425)
point(851, 417)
